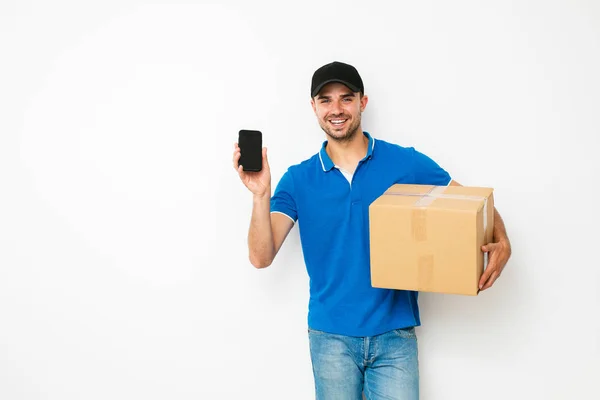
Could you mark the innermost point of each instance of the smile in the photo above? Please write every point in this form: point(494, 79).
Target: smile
point(337, 122)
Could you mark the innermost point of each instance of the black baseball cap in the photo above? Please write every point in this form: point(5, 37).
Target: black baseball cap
point(336, 72)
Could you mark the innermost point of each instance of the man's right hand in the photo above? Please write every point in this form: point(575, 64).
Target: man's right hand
point(259, 183)
point(267, 232)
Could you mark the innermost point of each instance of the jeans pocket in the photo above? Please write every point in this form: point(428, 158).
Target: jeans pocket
point(406, 333)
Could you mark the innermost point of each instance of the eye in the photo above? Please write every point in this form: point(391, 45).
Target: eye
point(324, 100)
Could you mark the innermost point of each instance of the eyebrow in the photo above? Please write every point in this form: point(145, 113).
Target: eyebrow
point(350, 94)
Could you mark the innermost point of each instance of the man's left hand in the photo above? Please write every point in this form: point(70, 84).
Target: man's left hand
point(498, 255)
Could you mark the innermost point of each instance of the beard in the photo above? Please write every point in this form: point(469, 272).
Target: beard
point(341, 135)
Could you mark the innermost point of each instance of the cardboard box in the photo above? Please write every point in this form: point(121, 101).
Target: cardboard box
point(428, 238)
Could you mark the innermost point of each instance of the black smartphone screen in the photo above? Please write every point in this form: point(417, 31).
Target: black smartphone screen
point(250, 143)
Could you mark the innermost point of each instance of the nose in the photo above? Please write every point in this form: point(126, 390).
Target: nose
point(336, 108)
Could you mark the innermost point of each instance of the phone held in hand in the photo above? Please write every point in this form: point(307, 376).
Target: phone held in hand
point(250, 144)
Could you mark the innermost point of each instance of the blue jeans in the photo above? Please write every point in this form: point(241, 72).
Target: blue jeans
point(385, 366)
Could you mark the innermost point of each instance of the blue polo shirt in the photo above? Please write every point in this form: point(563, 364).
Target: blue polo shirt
point(332, 211)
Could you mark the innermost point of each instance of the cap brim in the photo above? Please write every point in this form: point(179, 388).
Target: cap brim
point(318, 88)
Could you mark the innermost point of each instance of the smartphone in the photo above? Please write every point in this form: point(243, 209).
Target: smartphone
point(250, 143)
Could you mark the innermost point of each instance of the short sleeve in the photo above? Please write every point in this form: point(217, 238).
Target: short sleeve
point(428, 172)
point(282, 200)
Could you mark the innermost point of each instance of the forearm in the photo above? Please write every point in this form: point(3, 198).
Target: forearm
point(499, 228)
point(260, 235)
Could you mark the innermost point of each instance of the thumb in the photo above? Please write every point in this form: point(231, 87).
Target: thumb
point(488, 247)
point(264, 156)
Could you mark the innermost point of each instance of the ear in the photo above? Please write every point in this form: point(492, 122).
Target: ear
point(314, 106)
point(363, 102)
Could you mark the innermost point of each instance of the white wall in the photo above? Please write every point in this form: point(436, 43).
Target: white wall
point(123, 258)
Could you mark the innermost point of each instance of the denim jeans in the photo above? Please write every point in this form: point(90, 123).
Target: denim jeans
point(385, 366)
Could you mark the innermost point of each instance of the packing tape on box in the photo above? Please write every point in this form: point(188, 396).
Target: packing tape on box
point(419, 225)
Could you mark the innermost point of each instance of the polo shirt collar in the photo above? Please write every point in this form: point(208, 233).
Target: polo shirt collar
point(328, 165)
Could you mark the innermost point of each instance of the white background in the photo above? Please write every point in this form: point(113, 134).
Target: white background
point(123, 256)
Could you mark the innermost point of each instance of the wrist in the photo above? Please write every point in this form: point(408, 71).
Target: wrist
point(261, 197)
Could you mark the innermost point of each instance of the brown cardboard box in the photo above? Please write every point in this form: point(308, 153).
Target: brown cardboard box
point(428, 238)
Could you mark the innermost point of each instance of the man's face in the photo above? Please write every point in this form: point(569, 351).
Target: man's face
point(338, 111)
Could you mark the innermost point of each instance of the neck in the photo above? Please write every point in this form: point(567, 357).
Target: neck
point(347, 154)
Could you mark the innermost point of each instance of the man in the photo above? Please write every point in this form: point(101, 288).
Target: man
point(362, 339)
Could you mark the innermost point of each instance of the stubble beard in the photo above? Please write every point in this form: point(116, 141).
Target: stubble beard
point(339, 137)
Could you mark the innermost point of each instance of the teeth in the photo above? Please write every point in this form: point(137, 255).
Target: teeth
point(338, 121)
